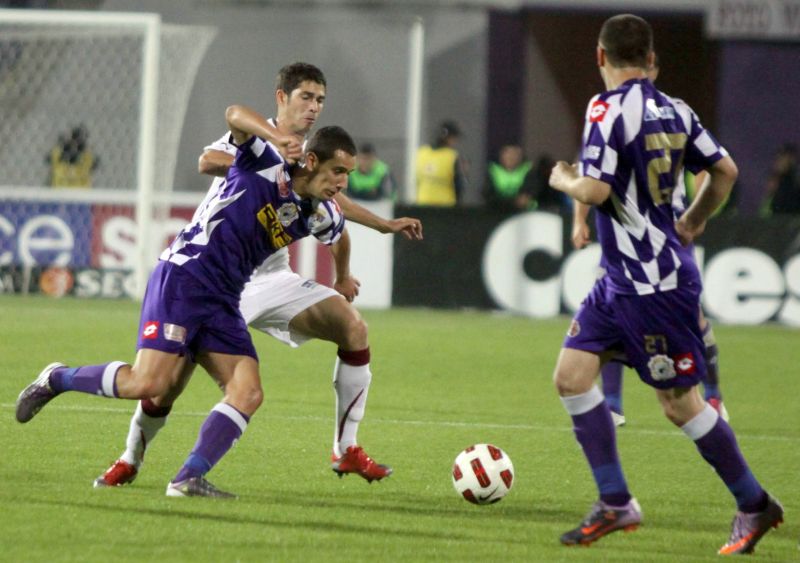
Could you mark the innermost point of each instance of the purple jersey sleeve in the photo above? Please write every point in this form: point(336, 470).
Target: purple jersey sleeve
point(257, 154)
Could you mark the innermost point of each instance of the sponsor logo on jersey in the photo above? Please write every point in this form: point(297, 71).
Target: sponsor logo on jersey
point(598, 111)
point(574, 328)
point(278, 237)
point(661, 367)
point(150, 330)
point(176, 333)
point(685, 364)
point(653, 113)
point(591, 152)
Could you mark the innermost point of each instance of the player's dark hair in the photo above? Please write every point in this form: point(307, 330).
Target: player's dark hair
point(627, 40)
point(291, 76)
point(328, 140)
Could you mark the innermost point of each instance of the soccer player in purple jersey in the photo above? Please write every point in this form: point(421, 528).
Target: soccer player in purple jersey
point(288, 307)
point(190, 311)
point(635, 144)
point(611, 372)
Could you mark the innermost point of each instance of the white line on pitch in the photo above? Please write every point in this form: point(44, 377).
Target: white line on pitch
point(452, 424)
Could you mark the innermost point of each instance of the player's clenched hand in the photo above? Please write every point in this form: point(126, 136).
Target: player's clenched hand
point(290, 147)
point(687, 231)
point(580, 234)
point(410, 228)
point(348, 287)
point(561, 174)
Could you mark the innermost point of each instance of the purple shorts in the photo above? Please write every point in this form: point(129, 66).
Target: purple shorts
point(659, 334)
point(182, 316)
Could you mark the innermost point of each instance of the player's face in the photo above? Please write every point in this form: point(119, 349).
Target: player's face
point(329, 177)
point(299, 109)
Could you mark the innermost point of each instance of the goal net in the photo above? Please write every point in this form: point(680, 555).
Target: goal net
point(91, 110)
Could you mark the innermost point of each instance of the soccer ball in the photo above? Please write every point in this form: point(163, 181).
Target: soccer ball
point(483, 474)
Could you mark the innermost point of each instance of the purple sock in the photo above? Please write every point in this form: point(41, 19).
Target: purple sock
point(594, 429)
point(223, 426)
point(94, 380)
point(611, 373)
point(717, 444)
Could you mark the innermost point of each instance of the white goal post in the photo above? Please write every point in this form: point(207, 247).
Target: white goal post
point(96, 72)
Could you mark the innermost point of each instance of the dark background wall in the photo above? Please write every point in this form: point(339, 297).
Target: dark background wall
point(757, 108)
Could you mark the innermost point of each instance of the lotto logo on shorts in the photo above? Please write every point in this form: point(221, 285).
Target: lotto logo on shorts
point(150, 330)
point(685, 364)
point(598, 111)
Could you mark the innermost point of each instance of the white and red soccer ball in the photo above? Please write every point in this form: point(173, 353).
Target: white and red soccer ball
point(483, 474)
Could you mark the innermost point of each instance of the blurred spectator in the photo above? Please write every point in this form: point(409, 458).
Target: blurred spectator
point(71, 161)
point(440, 171)
point(783, 187)
point(371, 179)
point(509, 181)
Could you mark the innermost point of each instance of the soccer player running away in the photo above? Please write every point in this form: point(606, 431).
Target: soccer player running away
point(635, 144)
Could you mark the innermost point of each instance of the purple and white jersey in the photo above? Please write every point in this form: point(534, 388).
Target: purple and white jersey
point(247, 217)
point(638, 140)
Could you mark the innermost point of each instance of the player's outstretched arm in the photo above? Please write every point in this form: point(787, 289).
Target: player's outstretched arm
point(345, 283)
point(410, 227)
point(723, 174)
point(581, 235)
point(214, 163)
point(584, 189)
point(245, 122)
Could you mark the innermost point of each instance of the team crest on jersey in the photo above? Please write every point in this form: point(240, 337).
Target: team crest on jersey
point(598, 111)
point(287, 214)
point(661, 367)
point(685, 364)
point(268, 218)
point(574, 328)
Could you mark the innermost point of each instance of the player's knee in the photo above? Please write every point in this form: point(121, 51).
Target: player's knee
point(568, 383)
point(146, 385)
point(246, 398)
point(354, 334)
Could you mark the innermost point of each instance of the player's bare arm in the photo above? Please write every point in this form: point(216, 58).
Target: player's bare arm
point(410, 227)
point(245, 122)
point(345, 283)
point(214, 162)
point(583, 189)
point(722, 175)
point(581, 235)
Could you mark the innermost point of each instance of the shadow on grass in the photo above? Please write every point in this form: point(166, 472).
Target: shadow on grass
point(278, 522)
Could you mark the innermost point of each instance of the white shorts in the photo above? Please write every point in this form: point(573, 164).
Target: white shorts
point(270, 301)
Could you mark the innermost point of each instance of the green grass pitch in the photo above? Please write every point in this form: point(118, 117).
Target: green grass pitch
point(441, 381)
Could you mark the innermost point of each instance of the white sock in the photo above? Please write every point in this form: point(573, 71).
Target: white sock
point(141, 432)
point(351, 384)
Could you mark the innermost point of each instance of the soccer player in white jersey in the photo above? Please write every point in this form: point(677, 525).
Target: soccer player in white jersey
point(636, 142)
point(288, 307)
point(611, 372)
